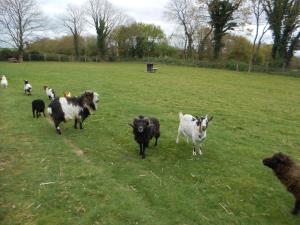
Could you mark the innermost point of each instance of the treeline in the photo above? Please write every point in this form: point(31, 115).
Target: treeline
point(133, 42)
point(204, 31)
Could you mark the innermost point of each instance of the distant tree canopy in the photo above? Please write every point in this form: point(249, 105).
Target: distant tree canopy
point(284, 19)
point(138, 39)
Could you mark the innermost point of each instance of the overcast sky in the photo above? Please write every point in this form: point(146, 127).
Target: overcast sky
point(150, 11)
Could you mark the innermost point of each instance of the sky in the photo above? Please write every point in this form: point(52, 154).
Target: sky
point(150, 11)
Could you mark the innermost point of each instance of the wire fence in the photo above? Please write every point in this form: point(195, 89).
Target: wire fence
point(225, 64)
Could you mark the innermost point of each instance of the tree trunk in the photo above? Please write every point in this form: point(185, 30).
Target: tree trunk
point(76, 46)
point(217, 44)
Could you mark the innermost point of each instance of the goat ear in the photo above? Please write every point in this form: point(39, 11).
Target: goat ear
point(210, 118)
point(198, 123)
point(131, 125)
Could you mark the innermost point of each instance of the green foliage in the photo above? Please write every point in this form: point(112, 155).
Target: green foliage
point(63, 45)
point(221, 20)
point(138, 39)
point(237, 48)
point(284, 19)
point(6, 53)
point(110, 184)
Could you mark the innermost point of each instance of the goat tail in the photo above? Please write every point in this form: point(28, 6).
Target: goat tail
point(180, 116)
point(50, 111)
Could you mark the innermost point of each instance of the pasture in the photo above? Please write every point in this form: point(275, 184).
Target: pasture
point(95, 175)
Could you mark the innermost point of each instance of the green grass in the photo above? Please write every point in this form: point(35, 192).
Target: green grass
point(254, 116)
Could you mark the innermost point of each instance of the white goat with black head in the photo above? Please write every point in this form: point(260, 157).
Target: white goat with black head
point(68, 108)
point(194, 128)
point(49, 92)
point(27, 87)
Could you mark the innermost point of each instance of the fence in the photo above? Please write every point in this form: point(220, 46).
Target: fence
point(226, 64)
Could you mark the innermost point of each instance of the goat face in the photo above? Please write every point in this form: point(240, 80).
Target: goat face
point(90, 99)
point(140, 124)
point(26, 82)
point(203, 122)
point(278, 160)
point(45, 87)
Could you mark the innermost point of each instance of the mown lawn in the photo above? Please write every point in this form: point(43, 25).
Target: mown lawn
point(97, 176)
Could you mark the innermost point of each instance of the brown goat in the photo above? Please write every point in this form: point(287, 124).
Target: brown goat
point(288, 172)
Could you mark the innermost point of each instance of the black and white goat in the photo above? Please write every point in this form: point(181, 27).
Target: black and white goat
point(49, 92)
point(78, 108)
point(38, 107)
point(194, 128)
point(144, 129)
point(27, 87)
point(4, 82)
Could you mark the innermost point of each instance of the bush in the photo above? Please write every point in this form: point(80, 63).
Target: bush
point(7, 53)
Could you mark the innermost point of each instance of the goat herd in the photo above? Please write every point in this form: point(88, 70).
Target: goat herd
point(62, 109)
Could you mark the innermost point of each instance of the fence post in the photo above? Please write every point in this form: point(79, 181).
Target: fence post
point(267, 67)
point(85, 58)
point(45, 57)
point(29, 57)
point(237, 67)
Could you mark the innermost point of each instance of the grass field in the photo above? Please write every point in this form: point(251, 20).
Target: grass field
point(97, 175)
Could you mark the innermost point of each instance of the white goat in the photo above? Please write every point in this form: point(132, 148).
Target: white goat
point(4, 82)
point(27, 87)
point(194, 128)
point(49, 92)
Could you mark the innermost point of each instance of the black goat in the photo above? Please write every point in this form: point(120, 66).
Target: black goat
point(38, 107)
point(144, 129)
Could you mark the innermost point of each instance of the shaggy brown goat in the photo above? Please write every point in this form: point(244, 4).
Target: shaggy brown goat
point(288, 172)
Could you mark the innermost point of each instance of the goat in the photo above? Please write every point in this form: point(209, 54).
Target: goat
point(27, 87)
point(49, 92)
point(64, 109)
point(194, 128)
point(67, 94)
point(38, 107)
point(144, 129)
point(288, 172)
point(4, 82)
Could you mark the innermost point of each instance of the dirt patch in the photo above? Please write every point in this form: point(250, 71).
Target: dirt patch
point(78, 151)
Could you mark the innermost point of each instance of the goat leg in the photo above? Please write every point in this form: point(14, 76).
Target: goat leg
point(33, 113)
point(80, 125)
point(155, 141)
point(57, 127)
point(141, 149)
point(143, 154)
point(194, 150)
point(296, 209)
point(200, 152)
point(44, 113)
point(75, 124)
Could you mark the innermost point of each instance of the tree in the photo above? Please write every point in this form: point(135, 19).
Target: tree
point(258, 12)
point(74, 20)
point(186, 14)
point(105, 17)
point(222, 20)
point(284, 19)
point(138, 39)
point(19, 22)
